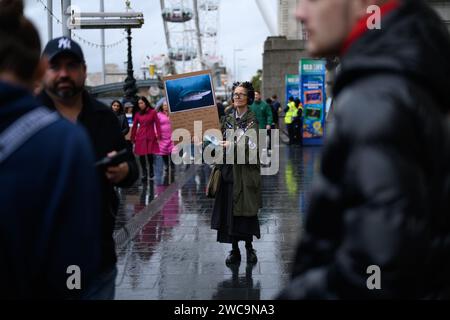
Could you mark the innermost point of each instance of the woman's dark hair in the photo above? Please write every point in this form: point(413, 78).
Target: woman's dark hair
point(250, 91)
point(20, 46)
point(147, 104)
point(121, 110)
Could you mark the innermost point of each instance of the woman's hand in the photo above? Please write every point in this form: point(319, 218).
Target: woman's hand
point(225, 144)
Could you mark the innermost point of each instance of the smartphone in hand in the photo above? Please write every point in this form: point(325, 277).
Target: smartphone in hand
point(118, 158)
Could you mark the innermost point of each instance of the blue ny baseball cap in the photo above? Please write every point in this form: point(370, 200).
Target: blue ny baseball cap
point(62, 45)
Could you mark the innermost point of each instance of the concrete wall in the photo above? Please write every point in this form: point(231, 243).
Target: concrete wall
point(280, 57)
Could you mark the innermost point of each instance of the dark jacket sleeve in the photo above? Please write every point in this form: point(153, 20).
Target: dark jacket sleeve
point(268, 111)
point(367, 204)
point(125, 127)
point(120, 144)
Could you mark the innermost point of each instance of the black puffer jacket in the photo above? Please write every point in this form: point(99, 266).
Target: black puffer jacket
point(381, 197)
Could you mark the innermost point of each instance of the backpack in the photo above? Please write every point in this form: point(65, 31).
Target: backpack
point(24, 128)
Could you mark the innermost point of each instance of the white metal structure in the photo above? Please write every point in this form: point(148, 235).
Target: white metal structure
point(209, 30)
point(191, 30)
point(288, 26)
point(179, 27)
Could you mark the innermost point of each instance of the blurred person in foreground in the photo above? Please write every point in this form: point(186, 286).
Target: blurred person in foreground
point(381, 199)
point(49, 194)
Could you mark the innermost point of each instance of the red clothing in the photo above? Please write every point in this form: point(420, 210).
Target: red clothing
point(145, 137)
point(361, 26)
point(165, 140)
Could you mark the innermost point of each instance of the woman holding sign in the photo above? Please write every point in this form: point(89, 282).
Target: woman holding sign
point(146, 136)
point(238, 198)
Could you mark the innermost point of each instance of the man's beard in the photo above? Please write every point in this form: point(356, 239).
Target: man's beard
point(66, 93)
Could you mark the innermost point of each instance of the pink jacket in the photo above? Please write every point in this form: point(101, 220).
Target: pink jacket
point(145, 137)
point(165, 140)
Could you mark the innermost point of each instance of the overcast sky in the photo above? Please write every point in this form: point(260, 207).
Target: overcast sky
point(241, 26)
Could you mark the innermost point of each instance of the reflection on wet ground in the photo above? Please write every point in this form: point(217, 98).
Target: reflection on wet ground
point(173, 253)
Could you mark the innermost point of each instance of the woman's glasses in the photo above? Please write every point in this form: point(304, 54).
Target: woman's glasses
point(239, 95)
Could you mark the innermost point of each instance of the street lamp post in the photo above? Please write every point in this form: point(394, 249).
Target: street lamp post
point(129, 87)
point(102, 37)
point(113, 20)
point(65, 5)
point(49, 19)
point(234, 63)
point(239, 67)
point(144, 71)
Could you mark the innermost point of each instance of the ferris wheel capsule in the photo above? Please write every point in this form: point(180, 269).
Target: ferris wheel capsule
point(209, 32)
point(209, 6)
point(181, 54)
point(177, 14)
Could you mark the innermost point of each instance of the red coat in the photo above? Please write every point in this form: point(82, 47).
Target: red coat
point(145, 137)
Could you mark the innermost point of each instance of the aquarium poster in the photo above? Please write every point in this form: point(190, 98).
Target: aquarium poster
point(292, 86)
point(312, 88)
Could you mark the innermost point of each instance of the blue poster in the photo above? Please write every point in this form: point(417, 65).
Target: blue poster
point(292, 86)
point(313, 97)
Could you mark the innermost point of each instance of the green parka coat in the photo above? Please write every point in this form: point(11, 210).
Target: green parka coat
point(247, 198)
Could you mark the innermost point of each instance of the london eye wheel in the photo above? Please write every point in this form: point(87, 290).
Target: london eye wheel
point(191, 30)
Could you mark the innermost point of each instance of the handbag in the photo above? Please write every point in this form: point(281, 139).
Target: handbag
point(213, 182)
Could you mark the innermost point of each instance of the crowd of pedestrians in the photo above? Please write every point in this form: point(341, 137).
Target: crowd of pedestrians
point(381, 198)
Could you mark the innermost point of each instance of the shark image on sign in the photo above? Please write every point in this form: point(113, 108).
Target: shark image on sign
point(190, 93)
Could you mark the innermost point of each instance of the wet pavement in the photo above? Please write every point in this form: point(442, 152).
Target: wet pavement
point(166, 249)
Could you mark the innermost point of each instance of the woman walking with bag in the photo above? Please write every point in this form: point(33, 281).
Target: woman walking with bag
point(238, 198)
point(146, 137)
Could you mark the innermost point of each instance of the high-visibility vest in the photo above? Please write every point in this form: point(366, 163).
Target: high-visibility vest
point(291, 113)
point(300, 107)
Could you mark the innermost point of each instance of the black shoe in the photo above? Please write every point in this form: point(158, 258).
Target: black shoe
point(233, 257)
point(251, 256)
point(234, 267)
